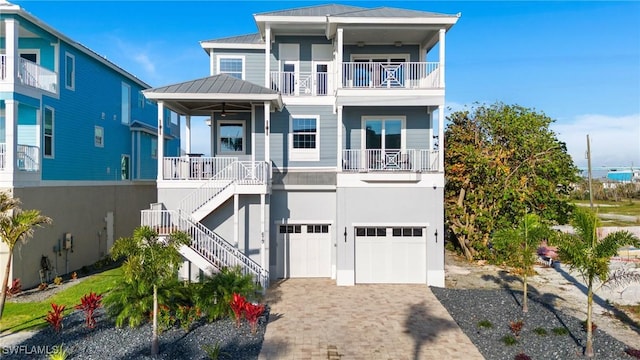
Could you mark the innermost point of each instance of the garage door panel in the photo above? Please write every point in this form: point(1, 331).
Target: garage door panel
point(391, 259)
point(306, 254)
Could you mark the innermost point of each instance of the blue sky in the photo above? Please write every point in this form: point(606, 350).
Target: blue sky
point(578, 62)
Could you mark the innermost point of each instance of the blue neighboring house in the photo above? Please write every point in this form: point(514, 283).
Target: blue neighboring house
point(78, 141)
point(324, 158)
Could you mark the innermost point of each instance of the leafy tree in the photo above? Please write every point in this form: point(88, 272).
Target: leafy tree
point(590, 257)
point(499, 161)
point(152, 263)
point(520, 244)
point(15, 225)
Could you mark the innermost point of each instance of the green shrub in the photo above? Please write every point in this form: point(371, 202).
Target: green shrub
point(214, 352)
point(560, 331)
point(215, 293)
point(540, 331)
point(509, 340)
point(485, 324)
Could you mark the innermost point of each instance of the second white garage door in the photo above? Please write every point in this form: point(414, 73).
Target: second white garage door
point(306, 250)
point(395, 255)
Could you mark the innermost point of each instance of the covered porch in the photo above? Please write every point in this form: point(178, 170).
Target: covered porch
point(238, 114)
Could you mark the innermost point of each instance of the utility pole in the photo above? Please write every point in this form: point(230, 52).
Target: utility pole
point(589, 172)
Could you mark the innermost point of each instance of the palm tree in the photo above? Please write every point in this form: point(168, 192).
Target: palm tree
point(15, 225)
point(523, 243)
point(590, 257)
point(152, 261)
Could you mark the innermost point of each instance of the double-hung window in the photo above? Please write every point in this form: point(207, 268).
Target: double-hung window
point(231, 65)
point(98, 136)
point(126, 104)
point(304, 138)
point(69, 71)
point(48, 132)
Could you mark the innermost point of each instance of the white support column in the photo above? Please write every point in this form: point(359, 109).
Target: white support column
point(10, 116)
point(431, 114)
point(212, 136)
point(265, 237)
point(339, 57)
point(187, 134)
point(212, 63)
point(236, 215)
point(441, 55)
point(253, 133)
point(267, 56)
point(441, 138)
point(160, 140)
point(267, 121)
point(11, 49)
point(339, 159)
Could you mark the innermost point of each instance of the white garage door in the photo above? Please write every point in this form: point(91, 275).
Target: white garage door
point(391, 255)
point(304, 250)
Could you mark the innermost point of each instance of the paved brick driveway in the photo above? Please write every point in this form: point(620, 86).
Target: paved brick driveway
point(315, 319)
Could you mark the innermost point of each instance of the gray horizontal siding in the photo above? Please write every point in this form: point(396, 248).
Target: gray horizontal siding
point(253, 63)
point(412, 50)
point(305, 43)
point(279, 133)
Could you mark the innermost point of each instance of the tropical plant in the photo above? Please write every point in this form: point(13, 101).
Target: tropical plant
point(89, 303)
point(590, 256)
point(57, 280)
point(519, 246)
point(54, 316)
point(214, 352)
point(252, 313)
point(15, 225)
point(214, 295)
point(516, 327)
point(187, 315)
point(151, 261)
point(15, 289)
point(499, 161)
point(59, 353)
point(238, 306)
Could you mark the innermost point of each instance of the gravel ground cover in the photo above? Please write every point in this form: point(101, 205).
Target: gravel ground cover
point(106, 341)
point(538, 339)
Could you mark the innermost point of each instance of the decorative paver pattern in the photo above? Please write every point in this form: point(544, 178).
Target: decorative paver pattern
point(315, 319)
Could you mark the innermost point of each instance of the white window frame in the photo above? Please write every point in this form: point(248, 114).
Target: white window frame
point(97, 143)
point(244, 137)
point(383, 118)
point(53, 131)
point(228, 56)
point(128, 158)
point(67, 57)
point(30, 51)
point(304, 154)
point(125, 109)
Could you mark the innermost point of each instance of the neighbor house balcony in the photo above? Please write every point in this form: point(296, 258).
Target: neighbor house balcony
point(27, 157)
point(391, 75)
point(30, 74)
point(390, 160)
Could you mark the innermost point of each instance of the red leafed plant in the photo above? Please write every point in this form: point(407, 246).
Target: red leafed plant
point(252, 313)
point(238, 306)
point(522, 356)
point(15, 289)
point(516, 327)
point(54, 317)
point(89, 303)
point(633, 352)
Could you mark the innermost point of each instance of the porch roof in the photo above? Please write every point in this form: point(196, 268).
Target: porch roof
point(202, 96)
point(139, 126)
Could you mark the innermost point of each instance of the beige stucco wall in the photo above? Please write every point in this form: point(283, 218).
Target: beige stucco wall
point(81, 211)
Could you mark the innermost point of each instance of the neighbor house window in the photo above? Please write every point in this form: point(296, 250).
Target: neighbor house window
point(231, 65)
point(141, 100)
point(124, 167)
point(154, 148)
point(304, 139)
point(70, 71)
point(98, 136)
point(126, 104)
point(48, 132)
point(231, 137)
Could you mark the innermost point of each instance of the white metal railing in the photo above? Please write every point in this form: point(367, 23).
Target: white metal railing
point(238, 172)
point(27, 157)
point(412, 75)
point(205, 242)
point(366, 160)
point(35, 75)
point(194, 168)
point(3, 156)
point(300, 83)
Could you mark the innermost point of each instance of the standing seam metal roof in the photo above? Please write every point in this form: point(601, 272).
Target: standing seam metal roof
point(254, 38)
point(222, 83)
point(320, 10)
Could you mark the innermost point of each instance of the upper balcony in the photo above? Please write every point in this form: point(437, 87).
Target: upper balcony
point(30, 74)
point(27, 157)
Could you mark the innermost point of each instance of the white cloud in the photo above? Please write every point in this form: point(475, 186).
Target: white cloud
point(615, 140)
point(146, 63)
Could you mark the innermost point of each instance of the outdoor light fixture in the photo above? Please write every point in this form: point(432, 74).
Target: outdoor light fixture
point(436, 235)
point(345, 234)
point(223, 113)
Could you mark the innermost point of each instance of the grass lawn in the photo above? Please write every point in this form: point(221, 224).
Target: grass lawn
point(31, 315)
point(624, 207)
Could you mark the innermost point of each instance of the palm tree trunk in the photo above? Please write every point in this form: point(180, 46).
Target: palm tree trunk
point(525, 307)
point(588, 352)
point(5, 282)
point(154, 334)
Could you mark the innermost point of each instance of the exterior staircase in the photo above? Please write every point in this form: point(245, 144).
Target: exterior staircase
point(209, 251)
